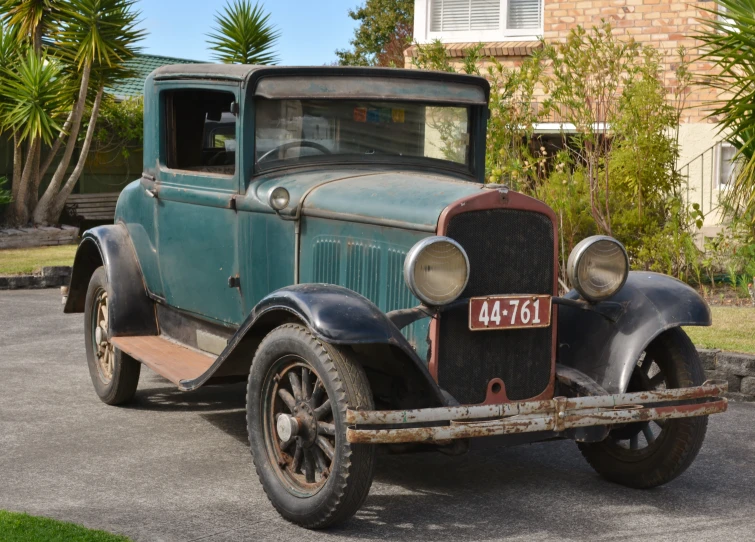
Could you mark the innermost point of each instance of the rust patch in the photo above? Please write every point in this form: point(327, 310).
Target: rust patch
point(557, 415)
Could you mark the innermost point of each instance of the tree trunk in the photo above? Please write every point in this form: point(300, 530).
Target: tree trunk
point(32, 196)
point(60, 200)
point(18, 157)
point(56, 146)
point(18, 212)
point(44, 207)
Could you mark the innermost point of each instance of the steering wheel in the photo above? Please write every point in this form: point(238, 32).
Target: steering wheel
point(292, 145)
point(216, 158)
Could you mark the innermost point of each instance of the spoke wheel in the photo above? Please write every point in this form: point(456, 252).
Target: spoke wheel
point(295, 397)
point(114, 374)
point(641, 438)
point(649, 454)
point(298, 393)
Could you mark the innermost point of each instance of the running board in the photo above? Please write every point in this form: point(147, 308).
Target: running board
point(167, 358)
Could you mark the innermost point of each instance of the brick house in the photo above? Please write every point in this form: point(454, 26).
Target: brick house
point(511, 29)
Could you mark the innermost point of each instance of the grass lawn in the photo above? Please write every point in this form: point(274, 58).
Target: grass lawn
point(25, 528)
point(733, 329)
point(22, 261)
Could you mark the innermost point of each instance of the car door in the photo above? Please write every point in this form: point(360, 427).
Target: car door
point(197, 181)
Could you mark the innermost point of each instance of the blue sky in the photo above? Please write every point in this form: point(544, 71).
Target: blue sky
point(310, 30)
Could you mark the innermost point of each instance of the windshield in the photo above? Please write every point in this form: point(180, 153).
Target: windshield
point(290, 132)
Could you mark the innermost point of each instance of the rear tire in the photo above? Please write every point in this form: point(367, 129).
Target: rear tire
point(115, 375)
point(670, 446)
point(316, 478)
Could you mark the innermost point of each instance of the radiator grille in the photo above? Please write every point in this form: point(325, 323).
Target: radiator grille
point(510, 252)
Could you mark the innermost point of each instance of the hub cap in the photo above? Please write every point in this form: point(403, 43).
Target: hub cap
point(104, 351)
point(299, 429)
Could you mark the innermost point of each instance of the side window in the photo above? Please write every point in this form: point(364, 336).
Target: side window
point(200, 131)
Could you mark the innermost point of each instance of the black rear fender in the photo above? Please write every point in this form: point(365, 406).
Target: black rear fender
point(131, 310)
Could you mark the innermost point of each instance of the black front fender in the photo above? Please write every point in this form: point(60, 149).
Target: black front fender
point(605, 343)
point(335, 315)
point(131, 311)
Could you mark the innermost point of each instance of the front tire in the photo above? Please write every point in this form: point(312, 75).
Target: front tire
point(115, 375)
point(650, 454)
point(311, 474)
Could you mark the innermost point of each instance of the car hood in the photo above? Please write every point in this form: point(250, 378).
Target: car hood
point(399, 198)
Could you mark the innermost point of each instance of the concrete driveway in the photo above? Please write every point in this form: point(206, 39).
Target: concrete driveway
point(176, 466)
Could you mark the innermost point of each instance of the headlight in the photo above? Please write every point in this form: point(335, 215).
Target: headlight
point(278, 198)
point(598, 267)
point(436, 270)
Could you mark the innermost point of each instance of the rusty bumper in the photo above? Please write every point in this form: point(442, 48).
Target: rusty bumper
point(558, 414)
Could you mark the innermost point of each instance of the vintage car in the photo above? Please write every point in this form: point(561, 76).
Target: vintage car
point(326, 235)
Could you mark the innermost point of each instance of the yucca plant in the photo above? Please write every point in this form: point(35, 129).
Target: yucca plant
point(243, 35)
point(33, 101)
point(32, 18)
point(32, 108)
point(729, 42)
point(96, 37)
point(77, 47)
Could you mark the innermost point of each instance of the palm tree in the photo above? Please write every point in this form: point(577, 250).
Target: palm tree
point(730, 43)
point(33, 104)
point(96, 36)
point(244, 35)
point(32, 18)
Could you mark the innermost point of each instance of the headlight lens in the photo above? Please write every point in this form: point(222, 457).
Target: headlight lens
point(598, 267)
point(278, 198)
point(436, 270)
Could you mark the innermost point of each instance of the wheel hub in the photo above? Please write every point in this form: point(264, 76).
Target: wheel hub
point(104, 350)
point(304, 415)
point(300, 422)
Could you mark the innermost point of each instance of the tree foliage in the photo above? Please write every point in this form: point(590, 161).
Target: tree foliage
point(730, 43)
point(56, 57)
point(385, 30)
point(244, 35)
point(120, 127)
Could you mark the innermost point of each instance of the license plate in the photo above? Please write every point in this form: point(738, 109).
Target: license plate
point(509, 312)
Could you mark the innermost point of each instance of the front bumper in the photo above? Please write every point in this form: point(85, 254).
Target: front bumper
point(442, 424)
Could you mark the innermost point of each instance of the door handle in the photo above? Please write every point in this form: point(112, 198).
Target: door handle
point(148, 182)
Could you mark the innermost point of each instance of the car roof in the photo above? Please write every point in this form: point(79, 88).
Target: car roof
point(246, 73)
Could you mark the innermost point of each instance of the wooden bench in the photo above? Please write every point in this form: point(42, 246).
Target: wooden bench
point(92, 207)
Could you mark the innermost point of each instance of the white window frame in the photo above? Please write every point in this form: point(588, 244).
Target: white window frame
point(423, 34)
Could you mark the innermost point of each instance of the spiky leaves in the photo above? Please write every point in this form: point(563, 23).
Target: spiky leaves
point(32, 18)
point(34, 101)
point(244, 35)
point(103, 32)
point(730, 43)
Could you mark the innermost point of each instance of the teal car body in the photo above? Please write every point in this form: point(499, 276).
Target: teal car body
point(208, 244)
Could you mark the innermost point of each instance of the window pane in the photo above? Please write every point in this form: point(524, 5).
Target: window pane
point(524, 14)
point(464, 15)
point(289, 131)
point(200, 131)
point(726, 165)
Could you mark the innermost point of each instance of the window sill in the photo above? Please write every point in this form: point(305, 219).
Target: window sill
point(513, 47)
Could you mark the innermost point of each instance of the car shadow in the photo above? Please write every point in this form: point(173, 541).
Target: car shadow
point(156, 393)
point(537, 491)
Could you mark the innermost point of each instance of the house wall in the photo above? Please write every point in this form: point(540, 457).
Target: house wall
point(663, 24)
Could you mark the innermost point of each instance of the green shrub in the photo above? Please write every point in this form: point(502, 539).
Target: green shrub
point(615, 173)
point(5, 195)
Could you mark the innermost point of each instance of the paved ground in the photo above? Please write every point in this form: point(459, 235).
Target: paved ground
point(177, 467)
